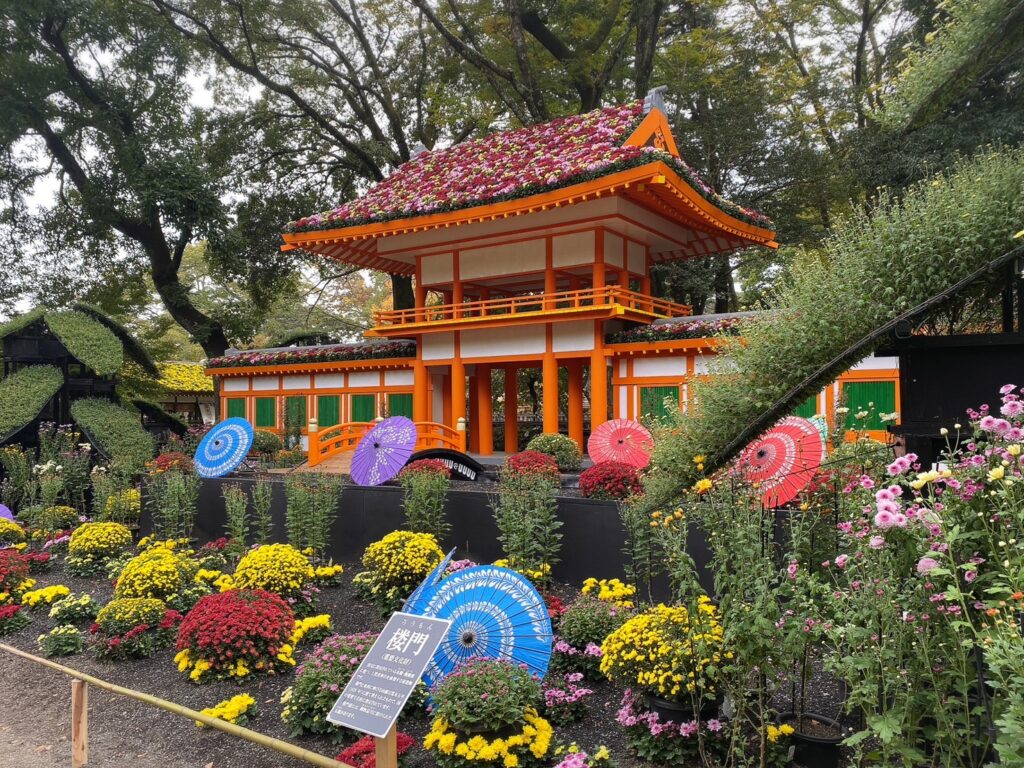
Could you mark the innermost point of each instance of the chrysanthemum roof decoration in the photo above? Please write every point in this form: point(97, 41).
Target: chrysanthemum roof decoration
point(515, 164)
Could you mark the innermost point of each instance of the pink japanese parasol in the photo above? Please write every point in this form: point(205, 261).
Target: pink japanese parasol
point(622, 440)
point(782, 461)
point(383, 451)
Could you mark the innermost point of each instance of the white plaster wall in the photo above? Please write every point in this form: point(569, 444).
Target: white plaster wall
point(570, 250)
point(437, 404)
point(364, 379)
point(436, 268)
point(876, 363)
point(503, 342)
point(623, 401)
point(664, 366)
point(613, 247)
point(508, 259)
point(397, 378)
point(622, 368)
point(296, 382)
point(572, 337)
point(637, 260)
point(329, 381)
point(264, 382)
point(239, 384)
point(438, 346)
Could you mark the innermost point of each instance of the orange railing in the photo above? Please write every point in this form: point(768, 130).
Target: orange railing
point(336, 439)
point(535, 303)
point(344, 437)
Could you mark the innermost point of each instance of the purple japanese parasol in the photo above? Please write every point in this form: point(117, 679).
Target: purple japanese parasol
point(6, 512)
point(383, 451)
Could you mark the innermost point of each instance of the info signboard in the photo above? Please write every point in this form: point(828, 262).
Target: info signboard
point(383, 682)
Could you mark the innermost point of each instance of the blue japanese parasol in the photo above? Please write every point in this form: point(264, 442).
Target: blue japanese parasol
point(414, 603)
point(224, 448)
point(383, 451)
point(495, 613)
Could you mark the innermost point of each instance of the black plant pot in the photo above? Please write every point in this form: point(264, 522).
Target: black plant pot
point(815, 749)
point(669, 711)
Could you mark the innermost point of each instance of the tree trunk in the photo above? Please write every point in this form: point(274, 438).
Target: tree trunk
point(725, 290)
point(402, 296)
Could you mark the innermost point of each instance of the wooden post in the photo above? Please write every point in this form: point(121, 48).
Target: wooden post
point(313, 442)
point(79, 723)
point(511, 410)
point(484, 415)
point(460, 427)
point(576, 403)
point(387, 749)
point(549, 403)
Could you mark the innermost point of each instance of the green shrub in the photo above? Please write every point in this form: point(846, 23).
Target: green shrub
point(873, 267)
point(424, 491)
point(24, 394)
point(526, 512)
point(563, 449)
point(89, 341)
point(116, 432)
point(265, 441)
point(312, 506)
point(466, 698)
point(175, 501)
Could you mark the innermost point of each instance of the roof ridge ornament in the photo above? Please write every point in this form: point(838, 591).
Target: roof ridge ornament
point(655, 99)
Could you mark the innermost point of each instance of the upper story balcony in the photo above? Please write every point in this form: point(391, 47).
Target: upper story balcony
point(608, 302)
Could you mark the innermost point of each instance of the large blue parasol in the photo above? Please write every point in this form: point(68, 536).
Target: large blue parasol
point(495, 614)
point(383, 451)
point(415, 602)
point(224, 448)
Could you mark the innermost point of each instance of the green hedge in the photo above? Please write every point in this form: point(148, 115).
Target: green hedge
point(21, 322)
point(873, 267)
point(132, 347)
point(24, 394)
point(115, 431)
point(87, 340)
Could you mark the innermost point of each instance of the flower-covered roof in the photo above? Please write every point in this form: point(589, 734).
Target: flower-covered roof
point(327, 353)
point(184, 377)
point(514, 164)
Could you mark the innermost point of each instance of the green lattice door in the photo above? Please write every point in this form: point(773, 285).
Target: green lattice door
point(266, 412)
point(875, 397)
point(327, 410)
point(295, 410)
point(236, 408)
point(400, 404)
point(364, 408)
point(808, 408)
point(657, 402)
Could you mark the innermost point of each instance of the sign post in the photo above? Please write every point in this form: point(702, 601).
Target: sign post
point(386, 677)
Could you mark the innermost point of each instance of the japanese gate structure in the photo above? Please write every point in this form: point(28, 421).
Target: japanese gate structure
point(530, 248)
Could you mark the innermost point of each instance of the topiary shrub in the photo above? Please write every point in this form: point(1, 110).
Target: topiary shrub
point(277, 568)
point(565, 451)
point(93, 544)
point(610, 480)
point(24, 393)
point(10, 533)
point(13, 571)
point(532, 462)
point(395, 566)
point(133, 627)
point(115, 431)
point(234, 634)
point(57, 518)
point(162, 574)
point(266, 442)
point(581, 631)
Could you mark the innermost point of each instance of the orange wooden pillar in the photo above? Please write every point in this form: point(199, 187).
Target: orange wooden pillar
point(598, 371)
point(446, 401)
point(549, 380)
point(511, 410)
point(483, 417)
point(474, 412)
point(458, 392)
point(576, 402)
point(420, 391)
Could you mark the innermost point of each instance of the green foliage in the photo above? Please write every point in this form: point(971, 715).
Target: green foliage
point(21, 322)
point(174, 500)
point(526, 512)
point(423, 497)
point(62, 640)
point(467, 697)
point(873, 267)
point(89, 341)
point(263, 523)
point(313, 500)
point(24, 394)
point(236, 506)
point(974, 36)
point(116, 432)
point(131, 345)
point(19, 486)
point(562, 448)
point(265, 441)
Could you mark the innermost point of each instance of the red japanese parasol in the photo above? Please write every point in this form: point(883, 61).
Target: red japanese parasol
point(782, 461)
point(622, 440)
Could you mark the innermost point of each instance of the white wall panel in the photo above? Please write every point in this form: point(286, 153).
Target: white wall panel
point(659, 366)
point(613, 247)
point(235, 384)
point(503, 342)
point(329, 381)
point(364, 379)
point(572, 337)
point(397, 378)
point(436, 268)
point(438, 346)
point(438, 400)
point(264, 382)
point(877, 363)
point(507, 259)
point(296, 382)
point(637, 258)
point(570, 250)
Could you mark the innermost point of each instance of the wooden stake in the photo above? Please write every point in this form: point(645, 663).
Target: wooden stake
point(387, 749)
point(79, 723)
